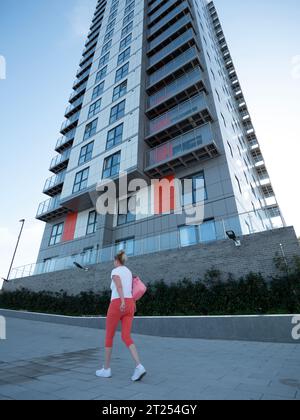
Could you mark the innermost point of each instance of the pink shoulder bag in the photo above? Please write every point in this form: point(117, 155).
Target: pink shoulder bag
point(138, 288)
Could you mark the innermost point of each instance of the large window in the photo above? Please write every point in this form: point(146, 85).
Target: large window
point(197, 193)
point(128, 18)
point(104, 60)
point(109, 35)
point(120, 91)
point(127, 245)
point(106, 47)
point(98, 90)
point(92, 223)
point(124, 56)
point(125, 42)
point(203, 233)
point(130, 216)
point(114, 137)
point(90, 129)
point(56, 234)
point(112, 165)
point(122, 72)
point(94, 109)
point(101, 74)
point(117, 112)
point(81, 180)
point(127, 29)
point(86, 153)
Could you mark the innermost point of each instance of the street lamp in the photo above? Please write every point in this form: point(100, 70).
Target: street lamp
point(22, 221)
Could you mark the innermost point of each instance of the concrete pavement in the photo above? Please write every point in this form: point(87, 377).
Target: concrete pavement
point(42, 361)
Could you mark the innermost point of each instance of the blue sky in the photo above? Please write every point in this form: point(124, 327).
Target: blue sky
point(42, 42)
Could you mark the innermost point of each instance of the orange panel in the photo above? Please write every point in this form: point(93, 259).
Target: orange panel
point(164, 200)
point(70, 226)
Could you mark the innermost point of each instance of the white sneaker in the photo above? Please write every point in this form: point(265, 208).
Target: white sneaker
point(139, 373)
point(104, 373)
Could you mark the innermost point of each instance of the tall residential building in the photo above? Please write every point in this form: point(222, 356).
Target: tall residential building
point(156, 95)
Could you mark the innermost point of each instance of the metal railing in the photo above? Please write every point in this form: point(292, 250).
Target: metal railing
point(54, 181)
point(180, 84)
point(65, 139)
point(167, 18)
point(211, 231)
point(179, 146)
point(48, 205)
point(59, 159)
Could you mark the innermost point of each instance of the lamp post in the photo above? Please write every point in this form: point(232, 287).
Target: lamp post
point(22, 221)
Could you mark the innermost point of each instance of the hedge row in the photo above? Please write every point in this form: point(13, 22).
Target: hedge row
point(211, 296)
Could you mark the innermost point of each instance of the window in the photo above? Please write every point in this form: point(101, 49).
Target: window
point(106, 47)
point(90, 129)
point(129, 8)
point(104, 60)
point(207, 231)
point(101, 74)
point(109, 35)
point(86, 153)
point(124, 56)
point(128, 18)
point(81, 180)
point(188, 236)
point(128, 28)
point(117, 112)
point(112, 16)
point(92, 223)
point(98, 90)
point(120, 91)
point(56, 234)
point(122, 72)
point(198, 192)
point(112, 165)
point(125, 42)
point(123, 219)
point(111, 25)
point(94, 109)
point(127, 245)
point(114, 137)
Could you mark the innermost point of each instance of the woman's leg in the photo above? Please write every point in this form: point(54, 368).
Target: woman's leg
point(112, 321)
point(127, 321)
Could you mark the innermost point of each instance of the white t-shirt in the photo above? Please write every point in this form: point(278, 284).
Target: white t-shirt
point(126, 278)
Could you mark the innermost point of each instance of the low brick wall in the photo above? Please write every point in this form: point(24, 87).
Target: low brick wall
point(275, 329)
point(256, 254)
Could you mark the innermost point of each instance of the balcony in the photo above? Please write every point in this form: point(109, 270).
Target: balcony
point(163, 11)
point(194, 146)
point(154, 6)
point(168, 20)
point(179, 120)
point(73, 108)
point(65, 142)
point(53, 185)
point(170, 34)
point(174, 69)
point(78, 93)
point(81, 70)
point(70, 124)
point(81, 79)
point(51, 209)
point(60, 162)
point(175, 48)
point(178, 91)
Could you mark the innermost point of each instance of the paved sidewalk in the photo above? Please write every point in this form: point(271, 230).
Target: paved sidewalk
point(41, 361)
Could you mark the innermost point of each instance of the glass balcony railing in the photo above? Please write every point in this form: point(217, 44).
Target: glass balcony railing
point(165, 20)
point(74, 106)
point(160, 11)
point(176, 87)
point(59, 159)
point(78, 92)
point(153, 5)
point(81, 78)
point(180, 146)
point(65, 139)
point(70, 121)
point(173, 65)
point(177, 114)
point(188, 35)
point(170, 31)
point(54, 181)
point(49, 206)
point(82, 69)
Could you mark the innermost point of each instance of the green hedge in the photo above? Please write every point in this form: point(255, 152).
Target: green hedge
point(211, 296)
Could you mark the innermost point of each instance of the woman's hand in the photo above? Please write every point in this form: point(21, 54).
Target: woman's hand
point(123, 306)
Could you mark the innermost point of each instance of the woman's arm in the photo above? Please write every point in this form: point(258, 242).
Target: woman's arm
point(120, 290)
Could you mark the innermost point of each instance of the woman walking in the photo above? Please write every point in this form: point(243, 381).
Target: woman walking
point(122, 308)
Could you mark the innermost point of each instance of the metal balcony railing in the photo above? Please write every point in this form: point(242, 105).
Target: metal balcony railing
point(176, 114)
point(70, 121)
point(64, 140)
point(78, 92)
point(178, 42)
point(165, 20)
point(48, 206)
point(59, 159)
point(160, 11)
point(173, 65)
point(54, 181)
point(176, 87)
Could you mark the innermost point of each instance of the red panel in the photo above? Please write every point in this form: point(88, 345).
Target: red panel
point(164, 201)
point(70, 226)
